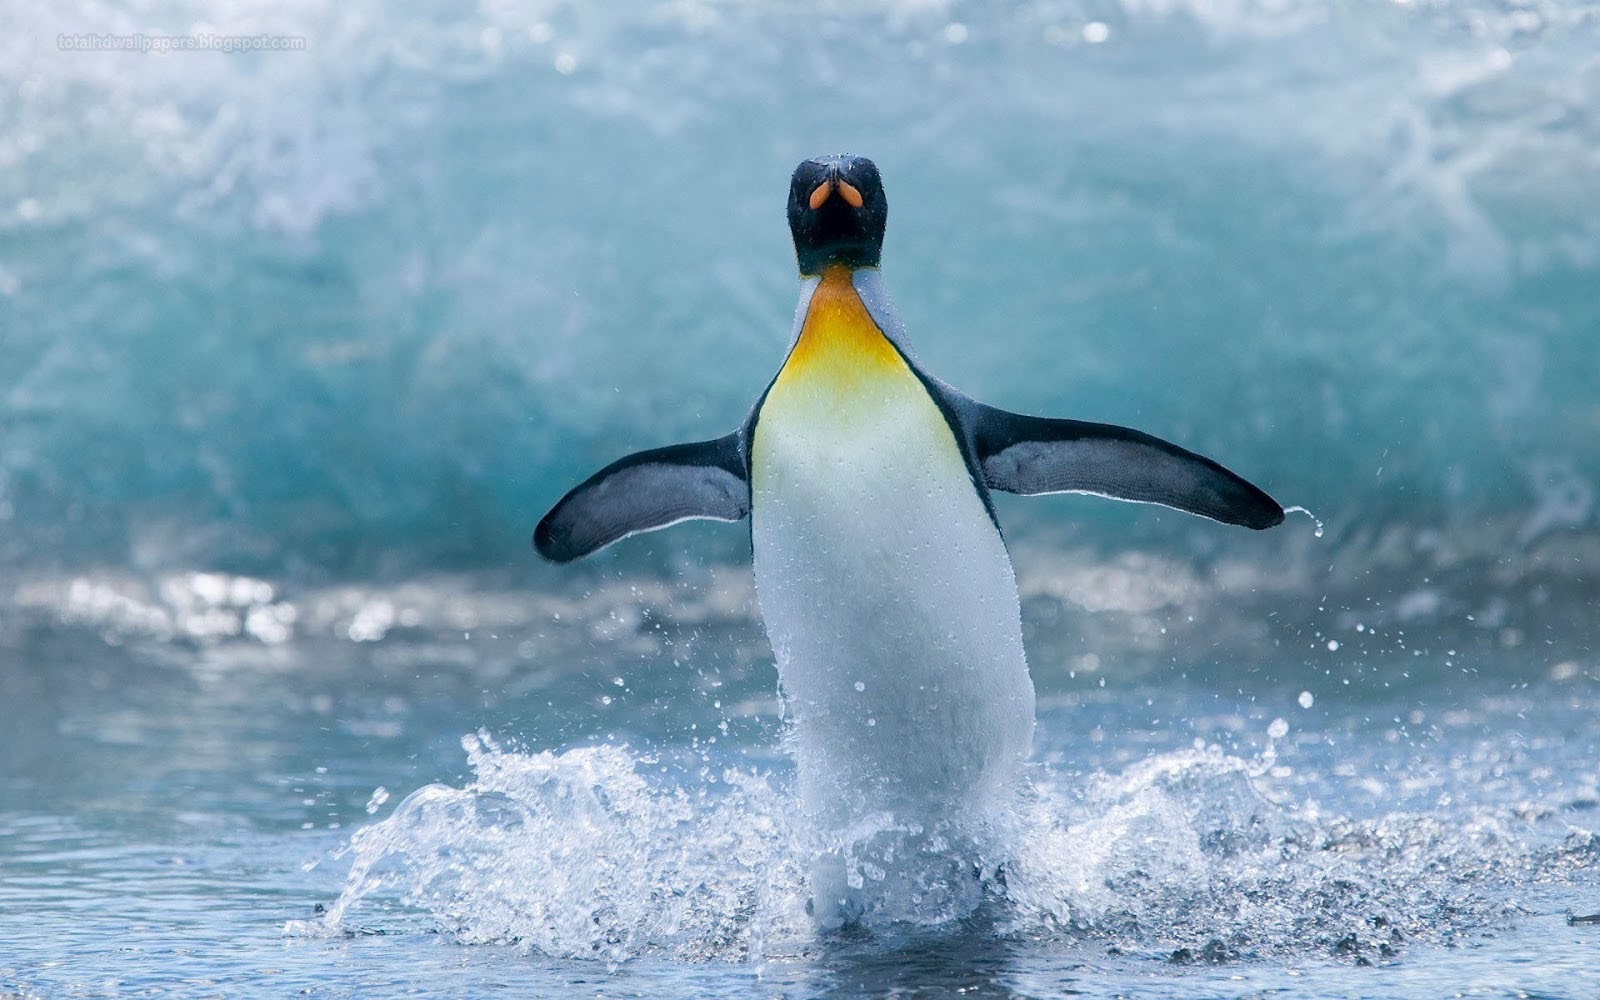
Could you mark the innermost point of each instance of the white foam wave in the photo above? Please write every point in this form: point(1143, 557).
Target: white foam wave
point(581, 855)
point(591, 853)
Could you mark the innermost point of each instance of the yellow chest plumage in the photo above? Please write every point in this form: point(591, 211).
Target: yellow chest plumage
point(847, 422)
point(840, 351)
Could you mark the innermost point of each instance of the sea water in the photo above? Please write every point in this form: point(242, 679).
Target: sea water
point(297, 344)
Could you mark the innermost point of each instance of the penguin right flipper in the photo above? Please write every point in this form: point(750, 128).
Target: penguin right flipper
point(1033, 455)
point(648, 490)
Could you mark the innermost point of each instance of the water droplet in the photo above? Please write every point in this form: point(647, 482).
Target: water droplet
point(1307, 699)
point(380, 795)
point(860, 686)
point(1333, 645)
point(1317, 532)
point(1278, 729)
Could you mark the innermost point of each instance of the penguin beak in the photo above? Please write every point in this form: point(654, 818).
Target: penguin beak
point(847, 191)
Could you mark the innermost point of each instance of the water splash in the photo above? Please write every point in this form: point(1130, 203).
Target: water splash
point(592, 854)
point(1297, 509)
point(580, 855)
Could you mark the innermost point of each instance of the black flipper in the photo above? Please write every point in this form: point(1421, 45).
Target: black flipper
point(645, 491)
point(1032, 455)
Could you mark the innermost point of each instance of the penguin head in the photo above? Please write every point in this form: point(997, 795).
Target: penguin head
point(837, 212)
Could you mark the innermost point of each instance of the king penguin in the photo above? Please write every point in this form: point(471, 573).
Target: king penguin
point(883, 580)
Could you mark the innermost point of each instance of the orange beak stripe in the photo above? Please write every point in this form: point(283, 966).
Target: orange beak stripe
point(848, 192)
point(820, 195)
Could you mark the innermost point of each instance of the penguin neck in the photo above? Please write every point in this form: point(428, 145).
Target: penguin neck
point(838, 344)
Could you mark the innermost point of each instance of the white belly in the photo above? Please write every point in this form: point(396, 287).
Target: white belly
point(891, 606)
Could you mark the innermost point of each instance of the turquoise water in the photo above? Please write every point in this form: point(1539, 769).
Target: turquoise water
point(295, 348)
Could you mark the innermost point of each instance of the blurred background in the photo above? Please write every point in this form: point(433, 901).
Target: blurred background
point(369, 307)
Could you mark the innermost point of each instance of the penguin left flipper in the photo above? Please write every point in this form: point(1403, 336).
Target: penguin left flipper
point(1033, 455)
point(648, 490)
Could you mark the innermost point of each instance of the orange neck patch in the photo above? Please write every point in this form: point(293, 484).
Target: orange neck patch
point(840, 347)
